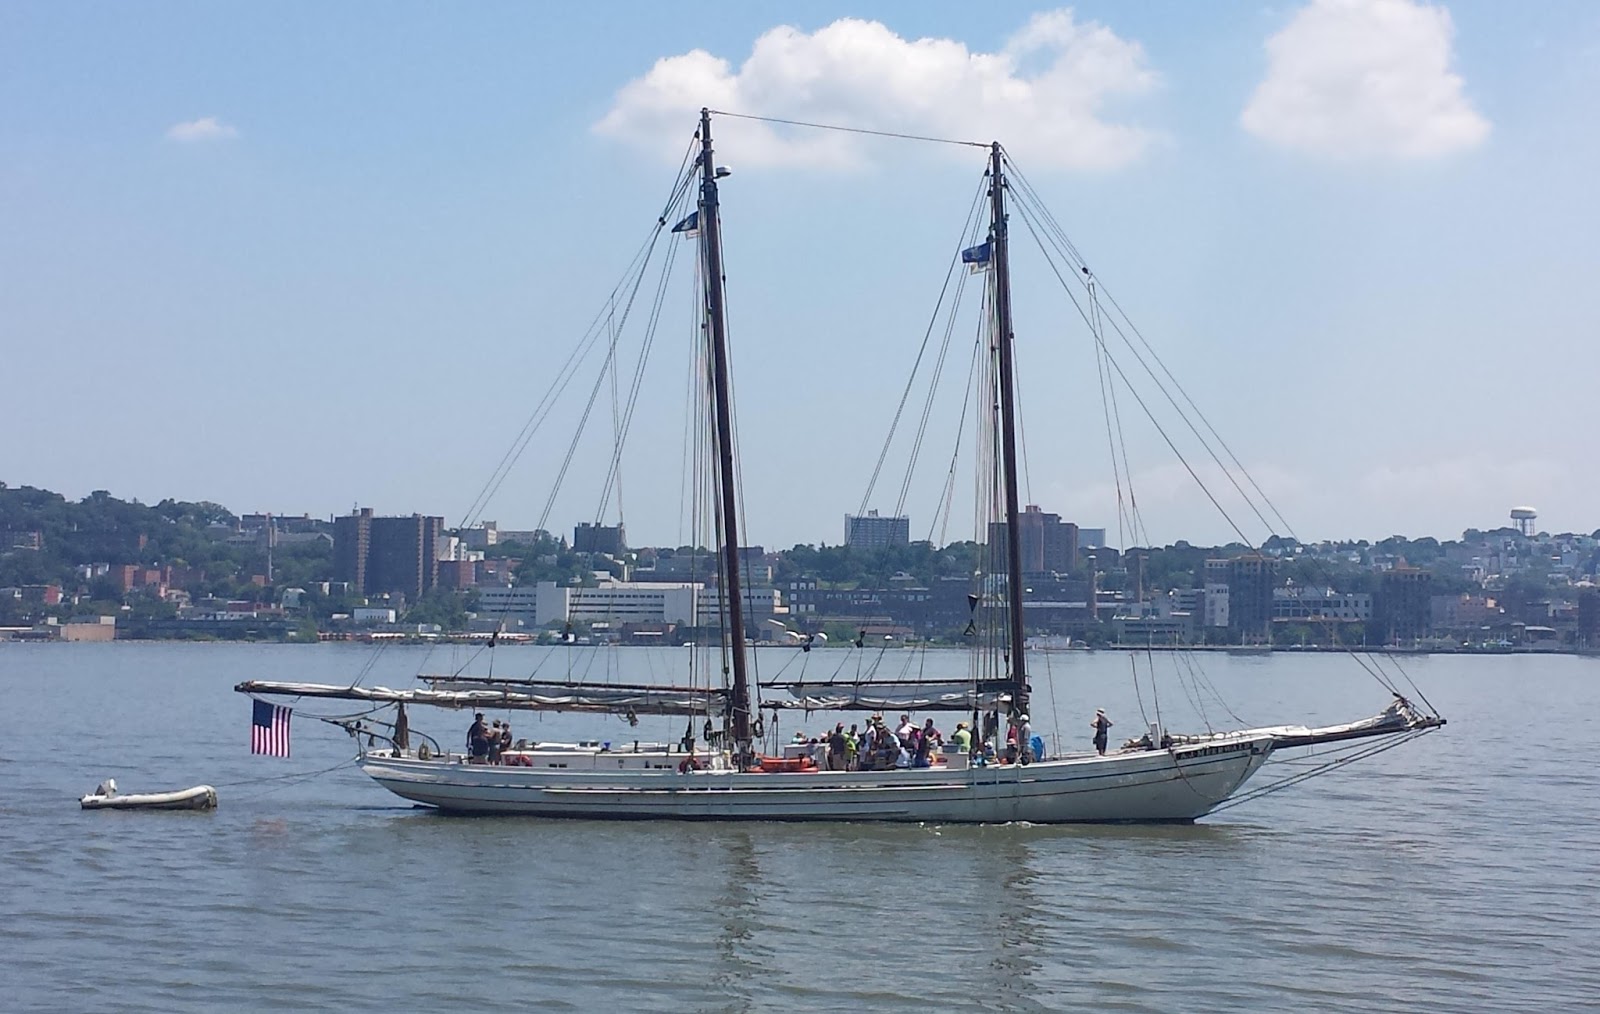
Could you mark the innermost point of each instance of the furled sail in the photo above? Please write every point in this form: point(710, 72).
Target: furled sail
point(1400, 716)
point(547, 697)
point(876, 696)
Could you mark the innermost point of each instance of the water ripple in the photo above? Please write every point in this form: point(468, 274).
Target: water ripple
point(1436, 876)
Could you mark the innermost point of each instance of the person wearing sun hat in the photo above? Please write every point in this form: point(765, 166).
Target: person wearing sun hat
point(1102, 726)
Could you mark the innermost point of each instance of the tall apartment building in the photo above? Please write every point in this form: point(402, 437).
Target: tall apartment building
point(352, 540)
point(1049, 545)
point(387, 555)
point(1249, 583)
point(1403, 607)
point(609, 539)
point(873, 532)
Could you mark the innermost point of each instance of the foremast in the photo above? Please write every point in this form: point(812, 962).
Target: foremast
point(722, 407)
point(1000, 255)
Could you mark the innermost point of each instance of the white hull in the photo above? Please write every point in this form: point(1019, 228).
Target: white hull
point(200, 797)
point(1133, 786)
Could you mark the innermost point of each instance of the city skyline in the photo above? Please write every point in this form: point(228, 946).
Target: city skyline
point(347, 286)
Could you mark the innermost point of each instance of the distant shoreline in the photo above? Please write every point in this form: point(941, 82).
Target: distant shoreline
point(1245, 651)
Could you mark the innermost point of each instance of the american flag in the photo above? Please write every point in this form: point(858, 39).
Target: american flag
point(269, 729)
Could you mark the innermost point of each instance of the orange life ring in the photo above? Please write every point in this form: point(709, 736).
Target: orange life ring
point(688, 764)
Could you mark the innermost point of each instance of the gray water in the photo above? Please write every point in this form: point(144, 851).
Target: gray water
point(1453, 873)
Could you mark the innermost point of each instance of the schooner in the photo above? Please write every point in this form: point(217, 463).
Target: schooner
point(727, 773)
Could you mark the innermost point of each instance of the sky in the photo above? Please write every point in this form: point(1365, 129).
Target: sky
point(301, 257)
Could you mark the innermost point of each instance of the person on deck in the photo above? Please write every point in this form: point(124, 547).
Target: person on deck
point(494, 742)
point(478, 741)
point(1025, 740)
point(838, 749)
point(1102, 727)
point(962, 737)
point(852, 747)
point(905, 729)
point(505, 736)
point(931, 733)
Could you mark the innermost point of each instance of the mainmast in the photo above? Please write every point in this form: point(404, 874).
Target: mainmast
point(1008, 429)
point(728, 515)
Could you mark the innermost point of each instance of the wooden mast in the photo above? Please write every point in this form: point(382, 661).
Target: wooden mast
point(1008, 430)
point(728, 514)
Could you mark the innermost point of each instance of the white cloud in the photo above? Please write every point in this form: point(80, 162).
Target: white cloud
point(1356, 79)
point(1043, 94)
point(206, 128)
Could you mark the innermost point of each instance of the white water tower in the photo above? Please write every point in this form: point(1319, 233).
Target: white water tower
point(1522, 519)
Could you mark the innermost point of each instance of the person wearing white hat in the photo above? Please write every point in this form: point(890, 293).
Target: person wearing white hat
point(1101, 725)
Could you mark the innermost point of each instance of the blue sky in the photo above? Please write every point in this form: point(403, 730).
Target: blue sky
point(305, 256)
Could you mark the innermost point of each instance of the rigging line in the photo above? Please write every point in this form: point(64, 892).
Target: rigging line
point(1140, 399)
point(948, 499)
point(1055, 712)
point(1194, 695)
point(557, 385)
point(1111, 446)
point(688, 490)
point(927, 405)
point(1155, 693)
point(611, 352)
point(1322, 769)
point(851, 130)
point(1407, 676)
point(1026, 208)
point(1138, 695)
point(753, 659)
point(625, 426)
point(927, 335)
point(1135, 521)
point(616, 431)
point(1203, 418)
point(1022, 430)
point(1197, 670)
point(525, 435)
point(1314, 755)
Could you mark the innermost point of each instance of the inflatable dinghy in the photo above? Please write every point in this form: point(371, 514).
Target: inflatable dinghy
point(200, 797)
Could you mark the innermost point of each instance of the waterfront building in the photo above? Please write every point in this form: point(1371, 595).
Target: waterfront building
point(1464, 612)
point(387, 555)
point(1306, 604)
point(512, 606)
point(1047, 544)
point(1402, 609)
point(614, 602)
point(1239, 595)
point(760, 606)
point(873, 532)
point(610, 540)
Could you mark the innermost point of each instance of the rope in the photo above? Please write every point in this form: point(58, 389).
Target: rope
point(289, 778)
point(851, 130)
point(916, 366)
point(1321, 769)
